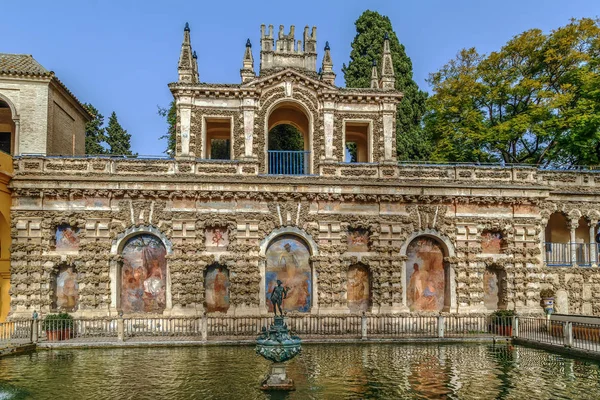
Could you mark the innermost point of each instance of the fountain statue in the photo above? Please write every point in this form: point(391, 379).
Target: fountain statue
point(276, 344)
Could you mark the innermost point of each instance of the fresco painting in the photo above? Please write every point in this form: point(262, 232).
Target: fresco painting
point(216, 237)
point(67, 289)
point(425, 274)
point(216, 289)
point(358, 240)
point(67, 238)
point(359, 294)
point(288, 261)
point(491, 242)
point(144, 274)
point(490, 289)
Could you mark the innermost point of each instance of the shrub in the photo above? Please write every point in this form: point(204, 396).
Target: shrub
point(55, 322)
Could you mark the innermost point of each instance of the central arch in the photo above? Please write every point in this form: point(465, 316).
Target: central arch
point(289, 152)
point(9, 126)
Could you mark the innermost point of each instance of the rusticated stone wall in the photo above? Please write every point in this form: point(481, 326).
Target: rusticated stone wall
point(180, 209)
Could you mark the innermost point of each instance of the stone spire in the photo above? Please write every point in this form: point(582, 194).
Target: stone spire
point(388, 77)
point(188, 64)
point(374, 76)
point(326, 72)
point(247, 71)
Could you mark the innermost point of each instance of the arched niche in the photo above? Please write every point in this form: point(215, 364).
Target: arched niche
point(359, 291)
point(494, 288)
point(427, 275)
point(216, 288)
point(66, 289)
point(9, 126)
point(143, 275)
point(288, 260)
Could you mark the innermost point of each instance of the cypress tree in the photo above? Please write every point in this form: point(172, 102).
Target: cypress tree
point(117, 138)
point(412, 141)
point(94, 132)
point(170, 115)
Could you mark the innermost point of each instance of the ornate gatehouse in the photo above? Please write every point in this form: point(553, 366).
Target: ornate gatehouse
point(285, 176)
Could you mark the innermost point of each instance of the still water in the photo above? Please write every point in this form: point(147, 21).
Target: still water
point(348, 371)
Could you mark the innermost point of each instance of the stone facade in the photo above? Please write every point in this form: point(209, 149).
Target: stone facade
point(42, 114)
point(379, 236)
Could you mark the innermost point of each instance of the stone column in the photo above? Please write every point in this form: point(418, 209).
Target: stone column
point(328, 126)
point(573, 224)
point(184, 105)
point(389, 135)
point(593, 247)
point(16, 150)
point(248, 110)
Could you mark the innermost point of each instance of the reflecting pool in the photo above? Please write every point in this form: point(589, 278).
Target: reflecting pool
point(344, 371)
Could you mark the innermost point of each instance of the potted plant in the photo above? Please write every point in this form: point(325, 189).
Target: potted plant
point(547, 301)
point(57, 326)
point(52, 327)
point(502, 322)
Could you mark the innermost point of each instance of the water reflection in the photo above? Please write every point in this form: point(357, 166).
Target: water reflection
point(357, 371)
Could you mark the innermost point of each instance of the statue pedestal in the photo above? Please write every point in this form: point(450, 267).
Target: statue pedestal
point(277, 379)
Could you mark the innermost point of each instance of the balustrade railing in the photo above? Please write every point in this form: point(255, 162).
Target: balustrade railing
point(287, 162)
point(558, 254)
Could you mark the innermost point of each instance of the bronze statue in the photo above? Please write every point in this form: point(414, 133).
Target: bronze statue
point(277, 295)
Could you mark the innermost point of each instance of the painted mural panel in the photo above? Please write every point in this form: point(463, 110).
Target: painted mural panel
point(425, 275)
point(359, 293)
point(67, 238)
point(490, 289)
point(358, 240)
point(67, 289)
point(143, 275)
point(217, 237)
point(491, 242)
point(288, 261)
point(216, 289)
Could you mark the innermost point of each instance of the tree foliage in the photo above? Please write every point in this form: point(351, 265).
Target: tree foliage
point(411, 141)
point(170, 115)
point(536, 100)
point(94, 132)
point(117, 138)
point(286, 137)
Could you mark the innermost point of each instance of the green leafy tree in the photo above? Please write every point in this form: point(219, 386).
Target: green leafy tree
point(94, 132)
point(285, 137)
point(117, 138)
point(170, 114)
point(534, 101)
point(411, 141)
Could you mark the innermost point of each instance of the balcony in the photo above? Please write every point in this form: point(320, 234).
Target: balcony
point(560, 254)
point(288, 162)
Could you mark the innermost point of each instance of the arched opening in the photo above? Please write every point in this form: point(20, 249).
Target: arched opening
point(494, 288)
point(583, 243)
point(359, 288)
point(288, 261)
point(66, 289)
point(216, 288)
point(558, 238)
point(7, 128)
point(143, 275)
point(288, 140)
point(427, 275)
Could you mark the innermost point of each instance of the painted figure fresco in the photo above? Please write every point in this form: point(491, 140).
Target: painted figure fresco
point(216, 289)
point(67, 289)
point(490, 289)
point(144, 275)
point(425, 274)
point(216, 237)
point(67, 238)
point(491, 242)
point(288, 261)
point(358, 240)
point(359, 294)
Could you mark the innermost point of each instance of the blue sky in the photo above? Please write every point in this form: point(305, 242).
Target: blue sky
point(120, 55)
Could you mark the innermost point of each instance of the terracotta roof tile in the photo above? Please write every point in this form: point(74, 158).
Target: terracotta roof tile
point(21, 64)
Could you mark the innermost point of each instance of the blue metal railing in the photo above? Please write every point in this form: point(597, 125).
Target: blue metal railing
point(288, 162)
point(558, 254)
point(583, 254)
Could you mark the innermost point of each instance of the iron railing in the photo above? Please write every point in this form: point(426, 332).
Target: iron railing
point(287, 162)
point(571, 334)
point(583, 255)
point(558, 254)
